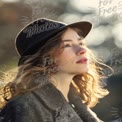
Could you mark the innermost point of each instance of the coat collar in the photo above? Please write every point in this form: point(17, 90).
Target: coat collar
point(54, 99)
point(51, 96)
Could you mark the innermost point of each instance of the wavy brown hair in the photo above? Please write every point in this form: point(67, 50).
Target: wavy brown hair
point(36, 70)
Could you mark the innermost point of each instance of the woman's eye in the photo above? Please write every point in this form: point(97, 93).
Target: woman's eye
point(70, 45)
point(82, 44)
point(67, 45)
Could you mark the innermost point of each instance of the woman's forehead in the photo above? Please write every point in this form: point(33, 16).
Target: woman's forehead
point(70, 34)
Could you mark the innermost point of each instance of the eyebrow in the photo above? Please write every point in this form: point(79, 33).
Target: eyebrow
point(69, 40)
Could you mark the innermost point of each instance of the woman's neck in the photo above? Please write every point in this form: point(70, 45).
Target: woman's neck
point(62, 83)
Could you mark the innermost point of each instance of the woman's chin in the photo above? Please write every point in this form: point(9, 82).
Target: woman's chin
point(82, 70)
point(76, 72)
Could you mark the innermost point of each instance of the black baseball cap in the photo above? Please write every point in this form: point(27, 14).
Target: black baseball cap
point(34, 35)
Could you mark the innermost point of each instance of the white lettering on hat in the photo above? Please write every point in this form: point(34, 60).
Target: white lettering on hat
point(36, 28)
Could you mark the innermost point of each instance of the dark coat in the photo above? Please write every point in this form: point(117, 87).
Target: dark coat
point(47, 104)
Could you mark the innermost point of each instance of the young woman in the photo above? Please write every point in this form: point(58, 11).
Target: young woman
point(58, 78)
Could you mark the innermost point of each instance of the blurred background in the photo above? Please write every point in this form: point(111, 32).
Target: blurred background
point(105, 38)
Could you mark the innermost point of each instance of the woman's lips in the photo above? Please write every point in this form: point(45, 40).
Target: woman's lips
point(83, 60)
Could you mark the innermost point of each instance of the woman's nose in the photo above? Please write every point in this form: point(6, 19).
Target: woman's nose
point(81, 51)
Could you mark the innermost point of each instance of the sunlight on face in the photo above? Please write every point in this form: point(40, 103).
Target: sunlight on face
point(73, 59)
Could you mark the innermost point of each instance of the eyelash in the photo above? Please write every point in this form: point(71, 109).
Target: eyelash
point(68, 45)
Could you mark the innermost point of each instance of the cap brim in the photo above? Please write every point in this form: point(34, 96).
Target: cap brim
point(84, 26)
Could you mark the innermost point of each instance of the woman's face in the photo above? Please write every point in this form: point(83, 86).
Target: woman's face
point(73, 59)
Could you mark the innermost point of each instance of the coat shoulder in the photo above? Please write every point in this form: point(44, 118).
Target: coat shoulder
point(26, 107)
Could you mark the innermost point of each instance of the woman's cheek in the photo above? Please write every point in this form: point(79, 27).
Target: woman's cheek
point(65, 56)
